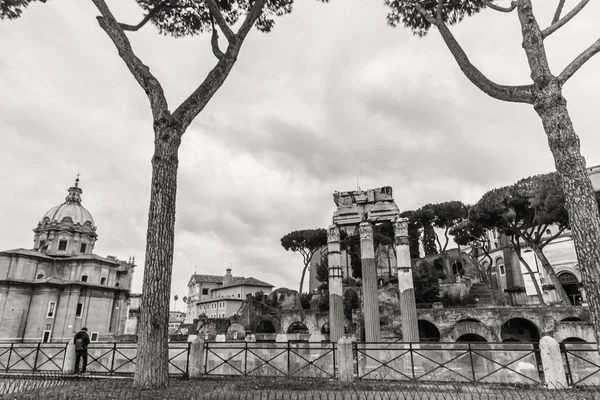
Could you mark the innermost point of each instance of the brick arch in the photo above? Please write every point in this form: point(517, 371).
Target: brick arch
point(477, 328)
point(564, 331)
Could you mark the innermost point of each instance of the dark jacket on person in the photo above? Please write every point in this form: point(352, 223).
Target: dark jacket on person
point(85, 340)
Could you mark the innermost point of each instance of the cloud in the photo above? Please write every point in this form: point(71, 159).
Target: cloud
point(304, 112)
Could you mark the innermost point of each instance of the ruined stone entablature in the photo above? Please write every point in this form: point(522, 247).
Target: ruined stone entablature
point(373, 205)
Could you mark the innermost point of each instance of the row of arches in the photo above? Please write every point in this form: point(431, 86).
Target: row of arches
point(515, 330)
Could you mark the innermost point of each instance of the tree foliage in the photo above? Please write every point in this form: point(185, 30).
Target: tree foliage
point(524, 211)
point(410, 13)
point(383, 235)
point(426, 283)
point(306, 242)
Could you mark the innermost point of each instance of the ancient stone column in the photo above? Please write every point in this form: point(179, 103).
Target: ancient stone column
point(336, 302)
point(408, 307)
point(369, 278)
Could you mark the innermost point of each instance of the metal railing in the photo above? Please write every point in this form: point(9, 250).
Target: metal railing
point(32, 357)
point(582, 363)
point(298, 359)
point(103, 358)
point(448, 362)
point(119, 358)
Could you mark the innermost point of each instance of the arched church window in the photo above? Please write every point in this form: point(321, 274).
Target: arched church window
point(500, 265)
point(83, 248)
point(103, 280)
point(40, 275)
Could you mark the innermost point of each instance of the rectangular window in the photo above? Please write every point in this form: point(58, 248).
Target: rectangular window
point(48, 327)
point(83, 248)
point(94, 337)
point(51, 307)
point(46, 337)
point(42, 243)
point(84, 278)
point(62, 245)
point(79, 311)
point(204, 292)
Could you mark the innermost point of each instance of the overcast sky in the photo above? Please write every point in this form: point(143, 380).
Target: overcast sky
point(331, 94)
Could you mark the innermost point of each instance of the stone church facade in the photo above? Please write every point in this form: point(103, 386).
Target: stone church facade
point(51, 291)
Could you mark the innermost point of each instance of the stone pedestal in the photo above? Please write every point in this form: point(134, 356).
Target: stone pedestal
point(369, 277)
point(197, 354)
point(336, 302)
point(408, 307)
point(345, 361)
point(69, 364)
point(552, 362)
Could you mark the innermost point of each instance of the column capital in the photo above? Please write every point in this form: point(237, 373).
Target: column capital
point(333, 233)
point(366, 231)
point(401, 227)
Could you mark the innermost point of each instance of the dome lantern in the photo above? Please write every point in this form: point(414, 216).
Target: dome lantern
point(67, 229)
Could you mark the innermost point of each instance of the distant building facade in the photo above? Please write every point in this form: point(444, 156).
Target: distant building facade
point(51, 291)
point(176, 318)
point(219, 296)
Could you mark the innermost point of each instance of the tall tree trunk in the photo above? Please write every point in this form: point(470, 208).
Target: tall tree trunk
point(562, 295)
point(153, 351)
point(582, 207)
point(538, 290)
point(303, 275)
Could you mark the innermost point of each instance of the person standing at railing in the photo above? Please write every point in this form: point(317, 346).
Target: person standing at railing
point(82, 340)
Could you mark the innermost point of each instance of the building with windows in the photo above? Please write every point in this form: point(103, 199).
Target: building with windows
point(220, 296)
point(51, 291)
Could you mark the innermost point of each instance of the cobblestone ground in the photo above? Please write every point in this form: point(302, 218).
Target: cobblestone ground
point(284, 389)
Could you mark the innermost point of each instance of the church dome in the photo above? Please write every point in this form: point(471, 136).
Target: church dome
point(71, 208)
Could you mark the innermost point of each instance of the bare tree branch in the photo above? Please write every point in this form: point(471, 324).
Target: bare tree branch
point(493, 6)
point(157, 9)
point(253, 15)
point(141, 72)
point(558, 24)
point(559, 8)
point(216, 13)
point(551, 238)
point(517, 94)
point(577, 63)
point(195, 103)
point(214, 40)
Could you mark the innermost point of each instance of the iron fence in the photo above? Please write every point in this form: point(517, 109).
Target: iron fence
point(32, 357)
point(103, 358)
point(582, 363)
point(299, 359)
point(119, 358)
point(449, 362)
point(55, 387)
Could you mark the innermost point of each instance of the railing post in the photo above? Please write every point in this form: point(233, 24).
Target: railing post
point(196, 358)
point(37, 353)
point(9, 354)
point(69, 360)
point(412, 360)
point(344, 359)
point(288, 359)
point(187, 363)
point(245, 358)
point(569, 373)
point(472, 365)
point(112, 362)
point(554, 369)
point(334, 349)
